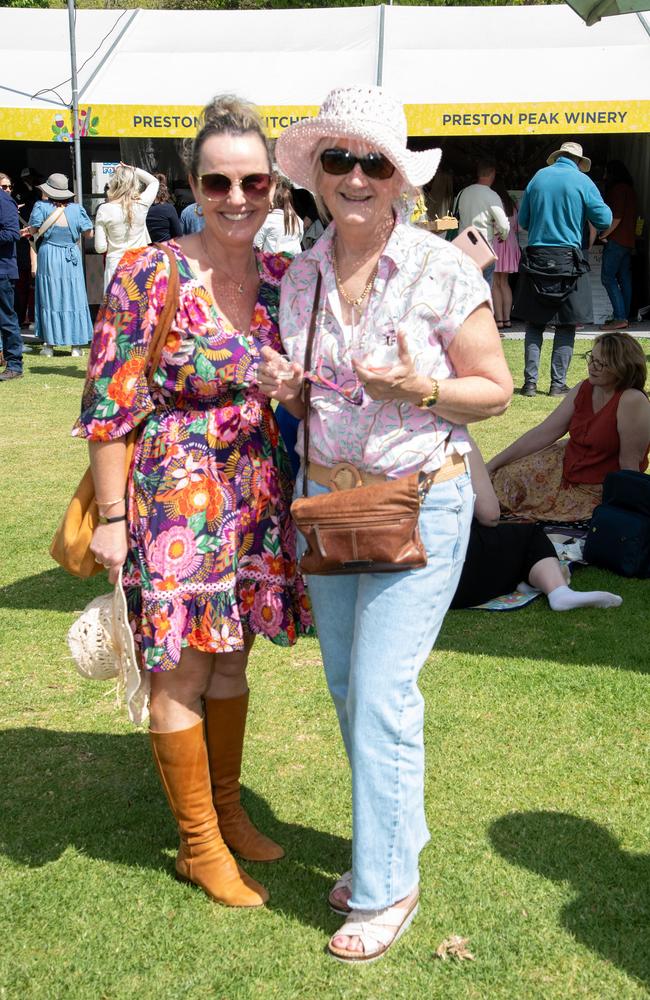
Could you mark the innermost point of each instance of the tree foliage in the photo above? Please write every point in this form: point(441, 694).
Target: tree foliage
point(27, 3)
point(261, 4)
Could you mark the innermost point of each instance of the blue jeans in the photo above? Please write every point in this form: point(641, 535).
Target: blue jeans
point(12, 342)
point(488, 274)
point(616, 276)
point(376, 631)
point(560, 356)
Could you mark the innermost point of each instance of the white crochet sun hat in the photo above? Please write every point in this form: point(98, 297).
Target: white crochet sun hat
point(365, 113)
point(102, 647)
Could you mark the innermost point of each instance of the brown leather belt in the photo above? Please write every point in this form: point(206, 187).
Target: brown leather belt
point(345, 476)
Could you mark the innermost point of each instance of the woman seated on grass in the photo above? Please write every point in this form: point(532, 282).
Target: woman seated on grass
point(505, 557)
point(607, 417)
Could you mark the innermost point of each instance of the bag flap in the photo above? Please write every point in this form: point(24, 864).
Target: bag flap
point(628, 489)
point(392, 498)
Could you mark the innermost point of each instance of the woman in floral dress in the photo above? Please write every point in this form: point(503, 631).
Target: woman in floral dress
point(204, 537)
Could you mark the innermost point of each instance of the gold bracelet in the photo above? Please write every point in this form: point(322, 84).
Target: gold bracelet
point(432, 398)
point(110, 503)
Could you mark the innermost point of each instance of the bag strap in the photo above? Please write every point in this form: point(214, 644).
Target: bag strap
point(166, 318)
point(307, 384)
point(51, 219)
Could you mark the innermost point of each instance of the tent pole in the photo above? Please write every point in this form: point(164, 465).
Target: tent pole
point(75, 102)
point(110, 50)
point(380, 45)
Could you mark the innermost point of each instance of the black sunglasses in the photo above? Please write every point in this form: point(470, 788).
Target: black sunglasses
point(5, 187)
point(341, 161)
point(217, 186)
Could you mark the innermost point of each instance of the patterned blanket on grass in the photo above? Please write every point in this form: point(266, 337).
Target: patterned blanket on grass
point(569, 545)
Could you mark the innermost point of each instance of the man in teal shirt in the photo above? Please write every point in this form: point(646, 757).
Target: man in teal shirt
point(554, 272)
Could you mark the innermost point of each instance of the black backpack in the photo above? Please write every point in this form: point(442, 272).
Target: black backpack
point(619, 534)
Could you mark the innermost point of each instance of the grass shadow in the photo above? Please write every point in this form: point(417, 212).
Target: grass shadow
point(52, 590)
point(585, 637)
point(68, 371)
point(98, 793)
point(610, 912)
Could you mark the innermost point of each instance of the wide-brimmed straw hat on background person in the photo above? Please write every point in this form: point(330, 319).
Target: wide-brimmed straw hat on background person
point(364, 113)
point(574, 150)
point(56, 187)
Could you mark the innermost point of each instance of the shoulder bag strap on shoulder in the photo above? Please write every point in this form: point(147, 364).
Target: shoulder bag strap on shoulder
point(307, 384)
point(167, 313)
point(51, 219)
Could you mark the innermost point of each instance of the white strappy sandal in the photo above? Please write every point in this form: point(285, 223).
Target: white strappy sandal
point(345, 882)
point(377, 930)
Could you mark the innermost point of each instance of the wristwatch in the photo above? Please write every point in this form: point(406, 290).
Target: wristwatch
point(432, 397)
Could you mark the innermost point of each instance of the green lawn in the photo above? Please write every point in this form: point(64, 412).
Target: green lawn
point(537, 745)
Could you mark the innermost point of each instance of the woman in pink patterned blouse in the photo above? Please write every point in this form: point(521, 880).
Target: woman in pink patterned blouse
point(406, 352)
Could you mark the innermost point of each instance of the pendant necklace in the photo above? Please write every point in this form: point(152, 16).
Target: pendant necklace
point(239, 284)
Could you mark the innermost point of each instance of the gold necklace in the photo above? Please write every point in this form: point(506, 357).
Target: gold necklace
point(239, 285)
point(355, 303)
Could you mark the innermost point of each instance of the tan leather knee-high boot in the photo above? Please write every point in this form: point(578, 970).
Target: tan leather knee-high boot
point(225, 721)
point(203, 858)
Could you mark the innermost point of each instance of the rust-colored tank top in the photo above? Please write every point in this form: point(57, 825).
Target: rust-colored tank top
point(594, 443)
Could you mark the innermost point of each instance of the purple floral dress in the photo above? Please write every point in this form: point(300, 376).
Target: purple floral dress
point(211, 542)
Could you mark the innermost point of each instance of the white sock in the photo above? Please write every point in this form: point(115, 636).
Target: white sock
point(565, 599)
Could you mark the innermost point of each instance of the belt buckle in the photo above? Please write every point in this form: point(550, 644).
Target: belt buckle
point(345, 476)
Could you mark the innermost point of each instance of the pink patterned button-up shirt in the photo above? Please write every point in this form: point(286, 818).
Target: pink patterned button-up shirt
point(424, 287)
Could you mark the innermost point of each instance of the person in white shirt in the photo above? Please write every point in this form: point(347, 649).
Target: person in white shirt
point(121, 222)
point(478, 205)
point(282, 230)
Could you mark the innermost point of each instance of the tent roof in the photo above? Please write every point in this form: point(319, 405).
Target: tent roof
point(453, 55)
point(35, 52)
point(184, 57)
point(272, 57)
point(139, 66)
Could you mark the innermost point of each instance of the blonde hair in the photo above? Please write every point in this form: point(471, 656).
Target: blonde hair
point(226, 114)
point(125, 187)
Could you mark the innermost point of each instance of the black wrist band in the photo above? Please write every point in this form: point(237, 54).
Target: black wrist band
point(111, 520)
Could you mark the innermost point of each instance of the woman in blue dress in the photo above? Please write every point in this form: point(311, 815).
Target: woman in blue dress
point(61, 305)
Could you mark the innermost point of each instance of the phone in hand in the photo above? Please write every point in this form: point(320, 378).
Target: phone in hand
point(472, 242)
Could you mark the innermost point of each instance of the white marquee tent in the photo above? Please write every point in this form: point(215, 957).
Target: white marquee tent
point(459, 70)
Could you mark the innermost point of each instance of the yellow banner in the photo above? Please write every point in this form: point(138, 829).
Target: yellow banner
point(107, 120)
point(175, 122)
point(537, 118)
